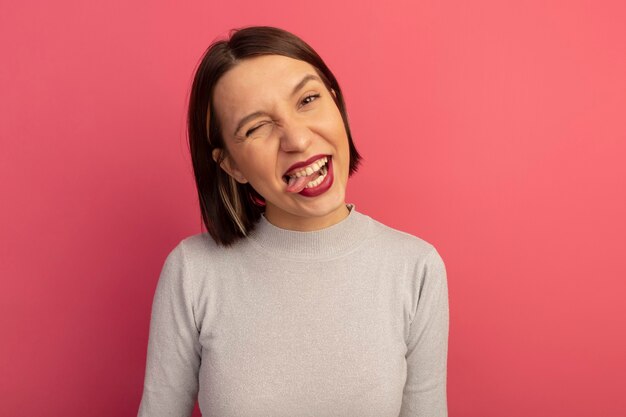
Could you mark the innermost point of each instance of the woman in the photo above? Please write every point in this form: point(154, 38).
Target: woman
point(294, 303)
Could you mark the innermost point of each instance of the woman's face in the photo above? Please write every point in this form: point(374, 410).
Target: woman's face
point(285, 136)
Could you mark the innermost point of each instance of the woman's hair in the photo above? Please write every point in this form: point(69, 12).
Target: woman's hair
point(230, 209)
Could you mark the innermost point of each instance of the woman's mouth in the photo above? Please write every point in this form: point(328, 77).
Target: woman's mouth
point(308, 180)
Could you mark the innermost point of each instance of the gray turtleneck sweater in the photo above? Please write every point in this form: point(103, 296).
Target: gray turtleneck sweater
point(351, 320)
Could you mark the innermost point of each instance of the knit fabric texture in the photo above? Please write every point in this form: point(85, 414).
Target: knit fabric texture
point(350, 320)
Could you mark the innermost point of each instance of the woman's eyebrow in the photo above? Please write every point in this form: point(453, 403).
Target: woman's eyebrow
point(302, 83)
point(305, 80)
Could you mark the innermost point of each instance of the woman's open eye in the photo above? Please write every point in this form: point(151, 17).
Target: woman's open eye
point(308, 99)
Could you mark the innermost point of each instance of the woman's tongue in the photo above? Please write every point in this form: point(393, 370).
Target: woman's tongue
point(297, 184)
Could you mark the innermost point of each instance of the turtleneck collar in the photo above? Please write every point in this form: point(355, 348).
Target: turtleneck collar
point(330, 242)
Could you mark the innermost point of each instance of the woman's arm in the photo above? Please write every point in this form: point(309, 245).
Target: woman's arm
point(171, 380)
point(427, 345)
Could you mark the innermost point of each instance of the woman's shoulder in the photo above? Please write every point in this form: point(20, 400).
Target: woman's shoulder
point(199, 243)
point(198, 249)
point(399, 247)
point(393, 240)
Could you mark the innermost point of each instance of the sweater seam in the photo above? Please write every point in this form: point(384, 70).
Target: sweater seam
point(188, 297)
point(260, 248)
point(419, 287)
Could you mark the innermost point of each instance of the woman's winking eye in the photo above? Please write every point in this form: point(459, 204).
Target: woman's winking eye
point(250, 131)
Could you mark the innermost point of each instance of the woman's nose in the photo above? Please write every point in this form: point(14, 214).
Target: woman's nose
point(296, 137)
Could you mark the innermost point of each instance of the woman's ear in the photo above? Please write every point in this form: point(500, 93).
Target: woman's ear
point(229, 166)
point(334, 93)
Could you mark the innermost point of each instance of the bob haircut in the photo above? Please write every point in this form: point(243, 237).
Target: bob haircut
point(229, 209)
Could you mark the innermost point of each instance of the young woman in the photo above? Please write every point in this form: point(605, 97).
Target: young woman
point(294, 303)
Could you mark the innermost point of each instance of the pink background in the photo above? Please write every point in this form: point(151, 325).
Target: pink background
point(495, 130)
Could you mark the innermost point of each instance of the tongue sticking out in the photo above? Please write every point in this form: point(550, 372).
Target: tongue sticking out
point(297, 184)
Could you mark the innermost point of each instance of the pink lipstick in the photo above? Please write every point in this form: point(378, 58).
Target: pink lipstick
point(303, 163)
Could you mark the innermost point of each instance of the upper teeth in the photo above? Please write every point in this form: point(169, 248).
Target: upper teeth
point(314, 167)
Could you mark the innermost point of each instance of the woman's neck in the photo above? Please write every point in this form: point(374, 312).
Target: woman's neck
point(290, 221)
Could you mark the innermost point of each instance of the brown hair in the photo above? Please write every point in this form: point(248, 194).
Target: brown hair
point(230, 209)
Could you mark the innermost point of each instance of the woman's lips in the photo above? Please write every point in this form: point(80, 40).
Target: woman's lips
point(302, 164)
point(317, 172)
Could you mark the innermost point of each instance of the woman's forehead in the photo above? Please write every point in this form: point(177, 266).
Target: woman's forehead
point(265, 73)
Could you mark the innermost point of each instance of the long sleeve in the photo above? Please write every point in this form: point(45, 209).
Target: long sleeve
point(174, 351)
point(427, 345)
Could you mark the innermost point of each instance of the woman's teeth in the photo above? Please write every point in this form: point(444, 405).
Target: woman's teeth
point(309, 170)
point(318, 180)
point(315, 166)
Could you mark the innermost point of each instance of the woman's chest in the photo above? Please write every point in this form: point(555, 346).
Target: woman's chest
point(303, 343)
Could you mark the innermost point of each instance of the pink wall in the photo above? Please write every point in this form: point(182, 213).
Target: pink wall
point(495, 130)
